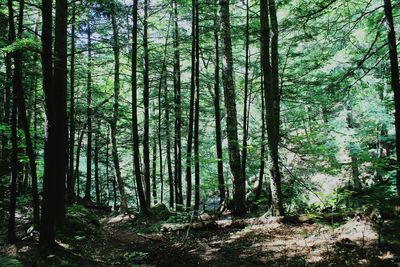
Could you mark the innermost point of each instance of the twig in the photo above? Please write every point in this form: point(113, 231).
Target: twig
point(190, 224)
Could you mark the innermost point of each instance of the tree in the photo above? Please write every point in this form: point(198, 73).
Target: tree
point(246, 92)
point(114, 120)
point(146, 101)
point(53, 205)
point(197, 108)
point(11, 237)
point(177, 113)
point(272, 96)
point(88, 188)
point(135, 130)
point(71, 176)
point(217, 111)
point(18, 87)
point(395, 82)
point(231, 114)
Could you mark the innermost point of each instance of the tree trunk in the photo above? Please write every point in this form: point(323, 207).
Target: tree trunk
point(353, 153)
point(71, 177)
point(154, 172)
point(217, 110)
point(178, 117)
point(107, 168)
point(5, 162)
point(163, 80)
point(18, 87)
point(96, 168)
point(146, 101)
point(53, 207)
point(262, 148)
point(88, 188)
point(78, 153)
point(114, 121)
point(246, 93)
point(135, 130)
point(197, 110)
point(231, 114)
point(191, 111)
point(168, 137)
point(395, 83)
point(11, 237)
point(272, 98)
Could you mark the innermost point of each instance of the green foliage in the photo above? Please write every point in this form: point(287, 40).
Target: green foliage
point(21, 44)
point(81, 222)
point(10, 262)
point(135, 256)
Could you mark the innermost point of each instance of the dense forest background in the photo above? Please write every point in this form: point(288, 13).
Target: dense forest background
point(251, 107)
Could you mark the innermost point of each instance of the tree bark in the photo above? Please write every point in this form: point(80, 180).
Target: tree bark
point(96, 168)
point(246, 93)
point(88, 188)
point(71, 177)
point(78, 153)
point(353, 153)
point(11, 237)
point(262, 148)
point(272, 97)
point(191, 111)
point(146, 101)
point(135, 130)
point(231, 114)
point(154, 172)
point(178, 117)
point(163, 81)
point(197, 111)
point(395, 83)
point(115, 117)
point(53, 207)
point(217, 110)
point(5, 151)
point(168, 137)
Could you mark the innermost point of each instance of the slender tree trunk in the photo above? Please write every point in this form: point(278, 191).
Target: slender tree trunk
point(160, 93)
point(96, 168)
point(78, 153)
point(197, 110)
point(107, 166)
point(262, 148)
point(395, 82)
point(191, 112)
point(114, 121)
point(71, 177)
point(178, 117)
point(88, 188)
point(246, 93)
point(11, 237)
point(154, 172)
point(168, 137)
point(146, 101)
point(353, 153)
point(5, 162)
point(217, 110)
point(272, 98)
point(135, 130)
point(231, 114)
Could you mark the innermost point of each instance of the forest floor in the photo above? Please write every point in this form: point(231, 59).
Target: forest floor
point(125, 241)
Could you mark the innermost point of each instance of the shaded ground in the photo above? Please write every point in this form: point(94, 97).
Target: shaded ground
point(118, 242)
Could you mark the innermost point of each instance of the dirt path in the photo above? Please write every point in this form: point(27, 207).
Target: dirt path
point(273, 244)
point(118, 243)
